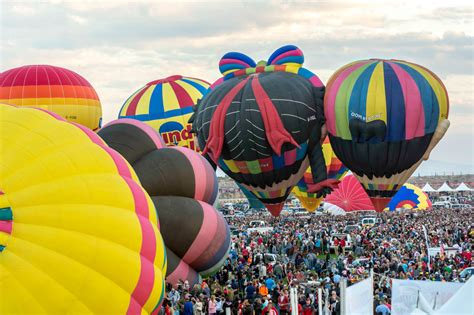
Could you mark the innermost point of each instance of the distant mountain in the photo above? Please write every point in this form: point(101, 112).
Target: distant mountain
point(436, 167)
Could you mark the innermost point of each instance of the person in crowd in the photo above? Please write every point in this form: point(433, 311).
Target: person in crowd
point(212, 306)
point(188, 306)
point(306, 257)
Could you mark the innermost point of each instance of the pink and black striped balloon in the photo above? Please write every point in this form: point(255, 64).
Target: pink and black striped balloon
point(183, 187)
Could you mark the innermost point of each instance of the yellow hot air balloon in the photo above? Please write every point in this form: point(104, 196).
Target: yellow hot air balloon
point(77, 231)
point(335, 170)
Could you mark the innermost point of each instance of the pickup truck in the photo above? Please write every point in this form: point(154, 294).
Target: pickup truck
point(259, 226)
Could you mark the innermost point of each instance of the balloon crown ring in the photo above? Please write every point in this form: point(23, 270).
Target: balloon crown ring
point(6, 221)
point(165, 80)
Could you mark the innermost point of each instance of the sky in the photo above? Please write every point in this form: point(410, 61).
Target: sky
point(119, 46)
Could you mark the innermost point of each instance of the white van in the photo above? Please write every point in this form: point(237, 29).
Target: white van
point(442, 204)
point(369, 221)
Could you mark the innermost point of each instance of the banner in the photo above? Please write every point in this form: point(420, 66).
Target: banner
point(359, 298)
point(405, 294)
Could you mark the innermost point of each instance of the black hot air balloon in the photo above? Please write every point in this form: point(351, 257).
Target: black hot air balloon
point(263, 124)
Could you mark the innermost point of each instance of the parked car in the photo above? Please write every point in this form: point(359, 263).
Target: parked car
point(442, 204)
point(259, 226)
point(369, 221)
point(351, 228)
point(267, 258)
point(466, 273)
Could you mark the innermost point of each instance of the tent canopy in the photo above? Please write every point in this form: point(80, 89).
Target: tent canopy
point(333, 209)
point(428, 188)
point(445, 188)
point(461, 302)
point(463, 187)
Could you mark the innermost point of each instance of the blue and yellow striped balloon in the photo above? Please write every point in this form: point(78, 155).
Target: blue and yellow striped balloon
point(166, 105)
point(410, 197)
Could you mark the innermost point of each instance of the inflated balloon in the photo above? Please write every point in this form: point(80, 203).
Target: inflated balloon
point(254, 203)
point(55, 89)
point(78, 234)
point(166, 105)
point(263, 124)
point(350, 196)
point(335, 169)
point(384, 117)
point(410, 197)
point(183, 186)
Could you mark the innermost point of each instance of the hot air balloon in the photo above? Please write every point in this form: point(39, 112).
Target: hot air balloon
point(183, 187)
point(78, 234)
point(350, 196)
point(410, 197)
point(254, 202)
point(166, 105)
point(55, 89)
point(384, 117)
point(263, 124)
point(335, 169)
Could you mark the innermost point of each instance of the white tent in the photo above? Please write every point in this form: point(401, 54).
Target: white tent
point(428, 188)
point(461, 302)
point(445, 188)
point(463, 187)
point(333, 209)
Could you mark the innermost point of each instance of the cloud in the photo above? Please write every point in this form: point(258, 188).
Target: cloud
point(78, 19)
point(119, 46)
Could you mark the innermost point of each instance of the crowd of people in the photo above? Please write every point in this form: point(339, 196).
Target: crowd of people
point(319, 251)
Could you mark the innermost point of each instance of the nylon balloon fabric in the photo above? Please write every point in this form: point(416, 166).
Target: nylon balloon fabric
point(55, 89)
point(350, 196)
point(166, 105)
point(384, 117)
point(183, 187)
point(78, 234)
point(410, 197)
point(262, 124)
point(335, 170)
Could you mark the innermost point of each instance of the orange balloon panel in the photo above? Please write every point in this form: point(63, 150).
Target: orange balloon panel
point(56, 89)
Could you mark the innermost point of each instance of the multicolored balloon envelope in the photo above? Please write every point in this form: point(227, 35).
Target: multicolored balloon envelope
point(410, 197)
point(335, 169)
point(384, 117)
point(78, 234)
point(350, 196)
point(262, 125)
point(183, 186)
point(56, 89)
point(254, 202)
point(166, 105)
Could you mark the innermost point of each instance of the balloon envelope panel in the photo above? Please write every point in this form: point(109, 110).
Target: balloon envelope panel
point(183, 185)
point(81, 235)
point(383, 117)
point(350, 196)
point(55, 89)
point(166, 105)
point(256, 122)
point(163, 171)
point(411, 197)
point(335, 170)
